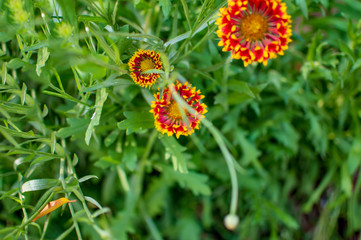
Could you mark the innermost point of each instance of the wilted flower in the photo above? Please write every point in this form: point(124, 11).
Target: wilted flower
point(141, 61)
point(254, 30)
point(169, 118)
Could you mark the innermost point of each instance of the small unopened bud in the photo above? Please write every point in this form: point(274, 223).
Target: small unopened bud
point(231, 221)
point(64, 30)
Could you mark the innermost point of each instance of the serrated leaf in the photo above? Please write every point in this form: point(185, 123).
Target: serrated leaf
point(176, 150)
point(38, 184)
point(77, 125)
point(250, 151)
point(101, 97)
point(196, 182)
point(240, 87)
point(136, 121)
point(155, 195)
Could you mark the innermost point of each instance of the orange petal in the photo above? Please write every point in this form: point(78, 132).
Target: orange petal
point(51, 206)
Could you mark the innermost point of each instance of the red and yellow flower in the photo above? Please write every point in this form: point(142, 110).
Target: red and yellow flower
point(254, 30)
point(170, 117)
point(141, 61)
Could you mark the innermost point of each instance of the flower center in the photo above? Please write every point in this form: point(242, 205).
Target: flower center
point(146, 65)
point(254, 27)
point(174, 111)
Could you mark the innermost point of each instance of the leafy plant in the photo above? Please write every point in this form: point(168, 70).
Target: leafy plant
point(279, 147)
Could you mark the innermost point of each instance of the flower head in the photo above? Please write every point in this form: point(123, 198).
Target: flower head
point(254, 30)
point(141, 61)
point(170, 117)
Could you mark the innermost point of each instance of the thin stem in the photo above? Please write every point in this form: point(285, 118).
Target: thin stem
point(61, 178)
point(143, 161)
point(46, 224)
point(22, 207)
point(227, 156)
point(150, 223)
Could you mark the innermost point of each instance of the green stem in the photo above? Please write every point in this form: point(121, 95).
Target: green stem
point(46, 224)
point(22, 207)
point(143, 161)
point(61, 178)
point(227, 156)
point(150, 223)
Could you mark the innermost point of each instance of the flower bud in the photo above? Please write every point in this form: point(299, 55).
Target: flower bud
point(231, 221)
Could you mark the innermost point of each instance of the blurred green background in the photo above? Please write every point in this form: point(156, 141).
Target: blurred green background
point(72, 123)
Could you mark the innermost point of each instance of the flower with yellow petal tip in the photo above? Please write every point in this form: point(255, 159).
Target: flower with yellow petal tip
point(168, 116)
point(51, 206)
point(141, 61)
point(254, 30)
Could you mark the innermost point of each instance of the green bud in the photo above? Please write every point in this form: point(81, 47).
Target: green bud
point(64, 30)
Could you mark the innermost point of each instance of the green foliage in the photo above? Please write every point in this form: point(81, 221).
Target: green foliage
point(285, 137)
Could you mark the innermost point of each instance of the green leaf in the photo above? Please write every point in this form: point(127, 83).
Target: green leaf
point(166, 6)
point(346, 49)
point(109, 82)
point(8, 193)
point(86, 178)
point(155, 195)
point(93, 201)
point(196, 182)
point(130, 153)
point(101, 97)
point(175, 150)
point(240, 87)
point(110, 139)
point(136, 121)
point(303, 6)
point(69, 12)
point(353, 158)
point(77, 125)
point(43, 56)
point(95, 67)
point(189, 228)
point(250, 151)
point(38, 184)
point(283, 216)
point(346, 182)
point(16, 63)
